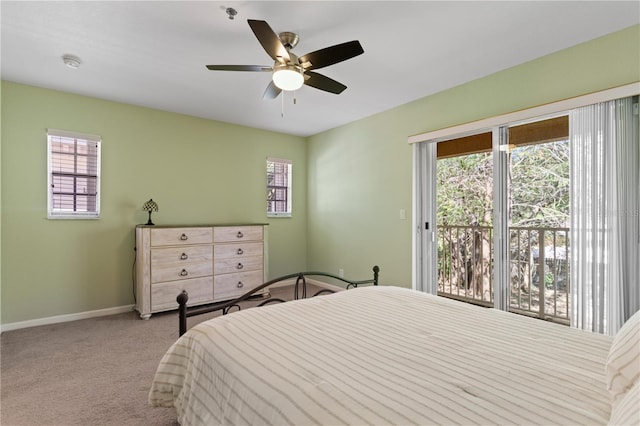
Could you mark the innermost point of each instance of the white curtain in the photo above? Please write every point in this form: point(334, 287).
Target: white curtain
point(605, 238)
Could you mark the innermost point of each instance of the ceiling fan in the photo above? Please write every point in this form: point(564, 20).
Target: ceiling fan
point(290, 72)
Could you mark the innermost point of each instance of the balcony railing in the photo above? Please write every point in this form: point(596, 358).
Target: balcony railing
point(539, 268)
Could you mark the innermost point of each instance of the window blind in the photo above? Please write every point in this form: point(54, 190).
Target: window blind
point(278, 186)
point(74, 174)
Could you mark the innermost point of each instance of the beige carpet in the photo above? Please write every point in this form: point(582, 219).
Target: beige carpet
point(89, 372)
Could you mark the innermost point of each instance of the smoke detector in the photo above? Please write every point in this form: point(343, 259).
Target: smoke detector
point(71, 61)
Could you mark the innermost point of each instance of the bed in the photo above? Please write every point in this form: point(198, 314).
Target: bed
point(386, 355)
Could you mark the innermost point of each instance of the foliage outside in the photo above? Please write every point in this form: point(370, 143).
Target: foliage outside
point(539, 187)
point(539, 214)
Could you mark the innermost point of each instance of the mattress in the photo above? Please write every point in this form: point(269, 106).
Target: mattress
point(383, 356)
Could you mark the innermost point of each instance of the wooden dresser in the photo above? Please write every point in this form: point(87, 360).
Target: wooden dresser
point(211, 262)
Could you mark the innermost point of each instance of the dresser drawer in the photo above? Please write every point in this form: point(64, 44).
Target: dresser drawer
point(174, 272)
point(238, 250)
point(163, 295)
point(226, 234)
point(245, 263)
point(230, 286)
point(179, 236)
point(180, 255)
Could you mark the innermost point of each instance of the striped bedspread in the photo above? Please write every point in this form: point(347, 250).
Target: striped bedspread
point(383, 356)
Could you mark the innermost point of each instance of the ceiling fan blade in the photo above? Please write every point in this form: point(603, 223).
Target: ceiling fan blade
point(239, 68)
point(272, 91)
point(331, 55)
point(269, 40)
point(323, 82)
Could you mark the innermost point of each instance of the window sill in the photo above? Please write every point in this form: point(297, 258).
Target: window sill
point(279, 215)
point(81, 217)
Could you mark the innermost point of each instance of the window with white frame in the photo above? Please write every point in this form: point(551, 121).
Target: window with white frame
point(73, 162)
point(278, 187)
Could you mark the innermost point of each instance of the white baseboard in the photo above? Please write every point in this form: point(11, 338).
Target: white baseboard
point(292, 282)
point(65, 318)
point(326, 285)
point(127, 308)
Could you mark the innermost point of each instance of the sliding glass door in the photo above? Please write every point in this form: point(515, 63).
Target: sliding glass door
point(464, 218)
point(538, 159)
point(501, 222)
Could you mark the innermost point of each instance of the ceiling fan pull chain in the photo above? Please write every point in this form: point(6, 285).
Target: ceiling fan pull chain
point(282, 105)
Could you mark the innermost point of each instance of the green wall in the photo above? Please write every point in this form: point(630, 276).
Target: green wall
point(198, 171)
point(360, 174)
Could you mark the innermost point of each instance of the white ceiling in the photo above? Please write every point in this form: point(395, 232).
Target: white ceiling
point(154, 54)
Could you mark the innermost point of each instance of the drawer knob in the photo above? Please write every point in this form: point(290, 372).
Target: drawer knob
point(239, 234)
point(239, 266)
point(240, 251)
point(184, 237)
point(240, 285)
point(184, 256)
point(184, 273)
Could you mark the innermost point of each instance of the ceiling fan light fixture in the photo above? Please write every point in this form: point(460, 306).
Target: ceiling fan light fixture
point(289, 71)
point(288, 77)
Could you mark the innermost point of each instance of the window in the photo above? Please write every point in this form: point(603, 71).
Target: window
point(278, 187)
point(73, 162)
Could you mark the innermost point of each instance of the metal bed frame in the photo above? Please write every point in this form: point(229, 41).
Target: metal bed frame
point(299, 291)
